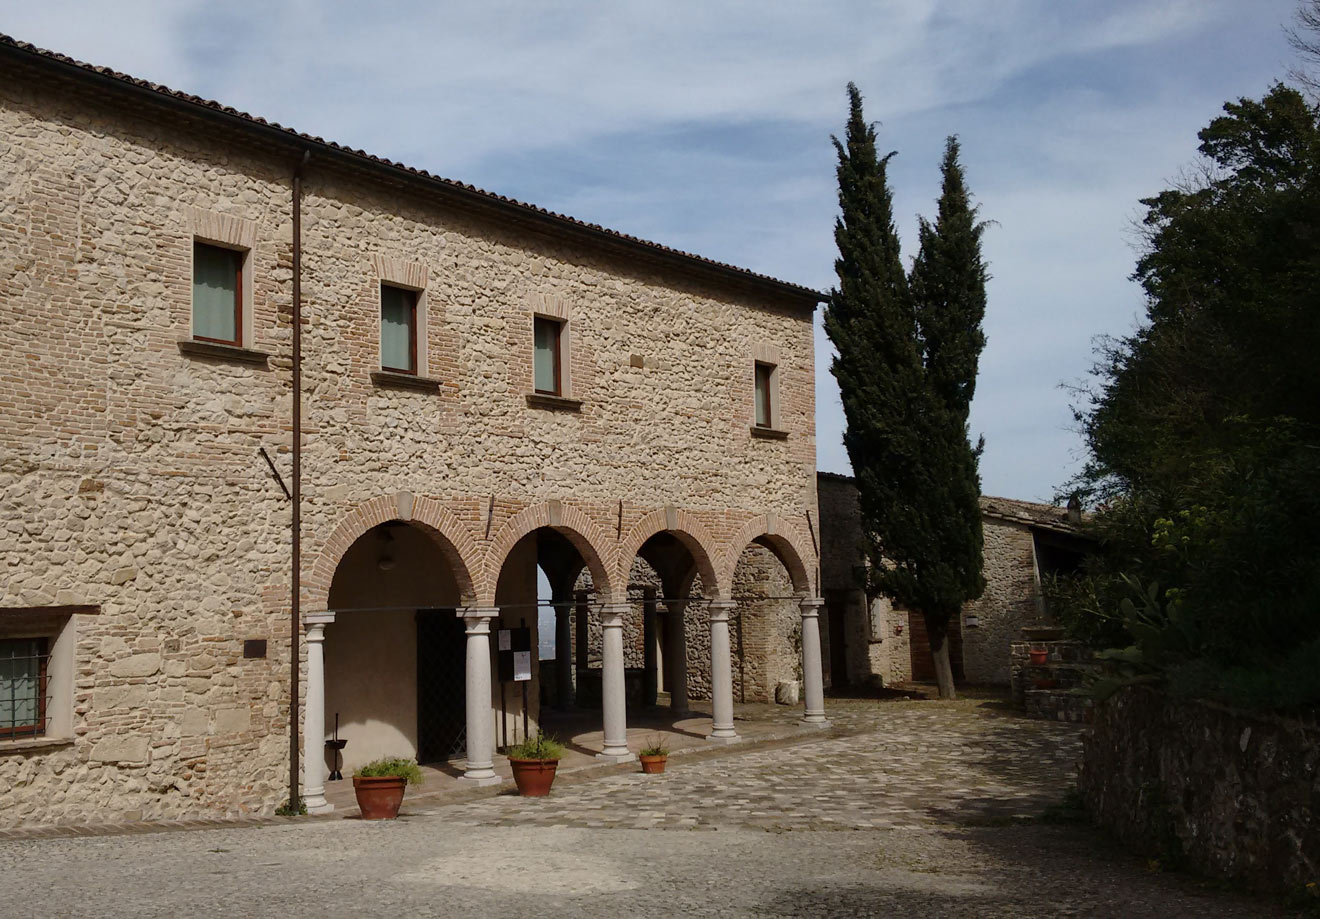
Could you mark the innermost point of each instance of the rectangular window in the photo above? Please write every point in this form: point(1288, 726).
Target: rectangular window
point(22, 687)
point(547, 366)
point(398, 329)
point(764, 394)
point(217, 294)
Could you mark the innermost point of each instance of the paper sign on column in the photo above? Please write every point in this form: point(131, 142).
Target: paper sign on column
point(506, 639)
point(522, 665)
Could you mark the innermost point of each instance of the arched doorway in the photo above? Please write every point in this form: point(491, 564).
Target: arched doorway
point(394, 655)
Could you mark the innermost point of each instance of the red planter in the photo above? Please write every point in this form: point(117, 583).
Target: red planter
point(533, 776)
point(653, 765)
point(1039, 657)
point(379, 797)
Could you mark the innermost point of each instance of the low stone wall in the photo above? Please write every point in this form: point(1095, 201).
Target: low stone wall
point(1220, 792)
point(1072, 705)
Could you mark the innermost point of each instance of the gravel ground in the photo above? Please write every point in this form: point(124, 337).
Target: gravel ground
point(932, 810)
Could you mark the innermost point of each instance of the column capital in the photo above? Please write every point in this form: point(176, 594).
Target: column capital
point(476, 619)
point(720, 610)
point(611, 614)
point(810, 606)
point(321, 619)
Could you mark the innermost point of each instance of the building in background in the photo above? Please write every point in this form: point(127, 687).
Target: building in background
point(867, 638)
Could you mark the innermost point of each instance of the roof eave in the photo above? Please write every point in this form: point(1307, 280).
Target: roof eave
point(460, 195)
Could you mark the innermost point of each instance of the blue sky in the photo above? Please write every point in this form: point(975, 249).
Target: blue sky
point(706, 125)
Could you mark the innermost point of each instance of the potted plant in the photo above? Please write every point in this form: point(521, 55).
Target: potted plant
point(534, 762)
point(1039, 656)
point(379, 786)
point(654, 756)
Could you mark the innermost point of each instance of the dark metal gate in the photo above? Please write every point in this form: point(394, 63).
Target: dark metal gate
point(441, 686)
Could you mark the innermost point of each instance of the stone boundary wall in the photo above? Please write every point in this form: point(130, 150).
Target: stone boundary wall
point(1226, 793)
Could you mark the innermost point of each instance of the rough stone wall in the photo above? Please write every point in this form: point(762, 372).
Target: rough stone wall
point(767, 632)
point(129, 471)
point(1225, 793)
point(1009, 602)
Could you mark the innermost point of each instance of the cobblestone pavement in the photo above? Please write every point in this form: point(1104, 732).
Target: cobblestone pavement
point(919, 771)
point(916, 809)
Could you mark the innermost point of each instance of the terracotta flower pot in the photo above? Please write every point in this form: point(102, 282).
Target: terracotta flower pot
point(1039, 656)
point(533, 776)
point(653, 765)
point(379, 796)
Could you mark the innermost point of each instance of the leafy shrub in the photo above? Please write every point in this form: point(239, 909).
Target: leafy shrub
point(391, 766)
point(539, 747)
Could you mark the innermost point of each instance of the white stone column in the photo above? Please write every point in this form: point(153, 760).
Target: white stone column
point(564, 694)
point(721, 673)
point(813, 682)
point(313, 750)
point(613, 687)
point(480, 721)
point(676, 657)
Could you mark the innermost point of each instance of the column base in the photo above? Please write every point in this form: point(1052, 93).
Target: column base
point(814, 721)
point(623, 756)
point(723, 735)
point(318, 805)
point(477, 780)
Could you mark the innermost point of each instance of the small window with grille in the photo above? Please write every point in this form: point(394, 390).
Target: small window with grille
point(23, 687)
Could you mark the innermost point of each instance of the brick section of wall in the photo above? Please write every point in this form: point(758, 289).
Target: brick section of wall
point(129, 472)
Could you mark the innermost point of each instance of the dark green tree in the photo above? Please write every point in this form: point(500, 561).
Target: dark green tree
point(907, 350)
point(1204, 426)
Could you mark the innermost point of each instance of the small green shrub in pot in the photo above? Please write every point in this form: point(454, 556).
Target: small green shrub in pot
point(533, 763)
point(379, 786)
point(654, 756)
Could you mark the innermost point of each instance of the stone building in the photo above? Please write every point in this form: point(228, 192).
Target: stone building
point(868, 638)
point(483, 387)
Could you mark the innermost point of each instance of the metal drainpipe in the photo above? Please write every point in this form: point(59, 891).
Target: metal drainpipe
point(295, 617)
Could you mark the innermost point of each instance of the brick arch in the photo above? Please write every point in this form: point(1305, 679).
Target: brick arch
point(572, 523)
point(780, 537)
point(687, 529)
point(454, 540)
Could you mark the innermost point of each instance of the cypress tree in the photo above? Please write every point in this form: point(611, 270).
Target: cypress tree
point(907, 352)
